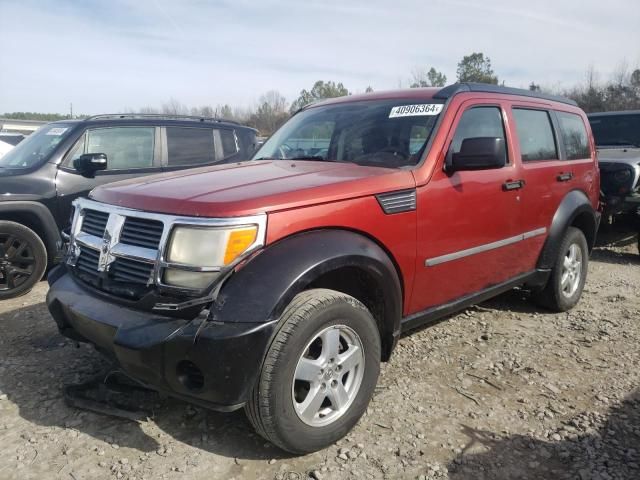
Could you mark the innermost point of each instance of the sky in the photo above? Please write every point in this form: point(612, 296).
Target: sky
point(111, 55)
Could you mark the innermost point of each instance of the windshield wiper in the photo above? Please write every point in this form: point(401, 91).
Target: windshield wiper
point(310, 157)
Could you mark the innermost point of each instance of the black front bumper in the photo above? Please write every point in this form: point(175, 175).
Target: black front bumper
point(212, 364)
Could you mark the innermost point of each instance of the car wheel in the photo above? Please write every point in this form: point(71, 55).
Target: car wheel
point(319, 373)
point(569, 273)
point(23, 259)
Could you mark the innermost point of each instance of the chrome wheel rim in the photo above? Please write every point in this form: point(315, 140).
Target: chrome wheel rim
point(571, 271)
point(328, 375)
point(17, 262)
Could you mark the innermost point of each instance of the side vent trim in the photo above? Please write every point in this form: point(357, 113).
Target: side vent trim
point(397, 202)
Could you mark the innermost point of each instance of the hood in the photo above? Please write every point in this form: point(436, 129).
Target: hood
point(251, 187)
point(627, 155)
point(23, 184)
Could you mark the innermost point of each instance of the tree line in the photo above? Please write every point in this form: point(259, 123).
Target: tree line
point(620, 92)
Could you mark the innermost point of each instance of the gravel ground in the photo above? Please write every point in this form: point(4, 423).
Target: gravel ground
point(499, 391)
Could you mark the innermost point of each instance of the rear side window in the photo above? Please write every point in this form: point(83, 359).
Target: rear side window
point(574, 136)
point(535, 135)
point(478, 122)
point(189, 146)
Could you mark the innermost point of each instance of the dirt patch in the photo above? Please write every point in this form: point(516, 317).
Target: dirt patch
point(503, 390)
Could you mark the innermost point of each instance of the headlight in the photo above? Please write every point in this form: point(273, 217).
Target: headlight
point(205, 248)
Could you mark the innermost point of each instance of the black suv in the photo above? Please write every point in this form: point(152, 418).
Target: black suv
point(64, 160)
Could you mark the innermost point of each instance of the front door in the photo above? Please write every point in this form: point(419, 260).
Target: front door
point(131, 151)
point(467, 221)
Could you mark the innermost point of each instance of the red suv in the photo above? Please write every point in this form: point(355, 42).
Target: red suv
point(279, 284)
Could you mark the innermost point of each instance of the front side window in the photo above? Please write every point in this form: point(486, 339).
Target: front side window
point(535, 135)
point(189, 146)
point(384, 133)
point(478, 122)
point(36, 148)
point(126, 147)
point(574, 136)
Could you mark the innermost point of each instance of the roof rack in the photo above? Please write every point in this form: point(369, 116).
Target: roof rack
point(456, 88)
point(159, 116)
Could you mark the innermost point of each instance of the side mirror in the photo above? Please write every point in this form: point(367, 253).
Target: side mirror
point(89, 163)
point(480, 153)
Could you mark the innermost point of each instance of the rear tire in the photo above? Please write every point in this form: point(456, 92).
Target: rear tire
point(319, 373)
point(569, 273)
point(23, 259)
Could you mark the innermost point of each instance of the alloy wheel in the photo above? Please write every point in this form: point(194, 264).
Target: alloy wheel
point(17, 262)
point(328, 375)
point(571, 270)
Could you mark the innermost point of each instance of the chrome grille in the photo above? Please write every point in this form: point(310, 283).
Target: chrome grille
point(95, 222)
point(121, 251)
point(142, 232)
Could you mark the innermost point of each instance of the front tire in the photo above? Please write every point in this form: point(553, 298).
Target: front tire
point(23, 259)
point(569, 273)
point(319, 373)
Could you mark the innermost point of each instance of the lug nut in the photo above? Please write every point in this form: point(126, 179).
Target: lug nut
point(334, 383)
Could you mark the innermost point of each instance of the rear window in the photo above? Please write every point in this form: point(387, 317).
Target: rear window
point(189, 146)
point(574, 136)
point(616, 130)
point(535, 135)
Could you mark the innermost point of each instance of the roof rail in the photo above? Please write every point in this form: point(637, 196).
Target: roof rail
point(456, 88)
point(159, 116)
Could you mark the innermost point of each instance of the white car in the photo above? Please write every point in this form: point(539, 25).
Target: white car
point(4, 148)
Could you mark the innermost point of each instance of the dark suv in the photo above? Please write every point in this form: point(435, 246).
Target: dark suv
point(41, 176)
point(280, 284)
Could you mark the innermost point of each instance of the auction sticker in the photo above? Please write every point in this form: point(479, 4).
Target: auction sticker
point(416, 110)
point(56, 131)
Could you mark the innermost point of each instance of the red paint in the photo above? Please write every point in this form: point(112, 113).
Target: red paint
point(454, 212)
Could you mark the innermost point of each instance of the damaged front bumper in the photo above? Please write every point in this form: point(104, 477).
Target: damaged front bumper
point(209, 363)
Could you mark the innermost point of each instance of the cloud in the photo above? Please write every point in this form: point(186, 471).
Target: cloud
point(103, 56)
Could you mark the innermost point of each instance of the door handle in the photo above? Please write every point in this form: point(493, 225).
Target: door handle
point(513, 185)
point(564, 177)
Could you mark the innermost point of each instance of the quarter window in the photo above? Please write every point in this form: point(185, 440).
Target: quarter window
point(189, 146)
point(535, 135)
point(574, 136)
point(229, 143)
point(126, 147)
point(478, 122)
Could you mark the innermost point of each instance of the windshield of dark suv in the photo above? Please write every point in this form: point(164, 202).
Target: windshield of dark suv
point(616, 130)
point(383, 133)
point(36, 148)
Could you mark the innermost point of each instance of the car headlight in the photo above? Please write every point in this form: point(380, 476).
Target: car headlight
point(203, 252)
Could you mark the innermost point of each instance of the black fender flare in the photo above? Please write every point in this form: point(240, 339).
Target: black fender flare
point(261, 290)
point(574, 209)
point(45, 218)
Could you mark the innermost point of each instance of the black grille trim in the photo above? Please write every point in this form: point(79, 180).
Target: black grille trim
point(95, 222)
point(397, 202)
point(131, 271)
point(142, 232)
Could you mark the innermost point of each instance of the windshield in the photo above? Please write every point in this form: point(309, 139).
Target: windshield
point(384, 133)
point(620, 129)
point(36, 148)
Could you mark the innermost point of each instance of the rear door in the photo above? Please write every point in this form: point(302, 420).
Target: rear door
point(551, 147)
